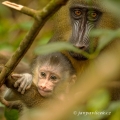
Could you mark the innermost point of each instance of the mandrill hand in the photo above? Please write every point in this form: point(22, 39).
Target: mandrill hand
point(24, 81)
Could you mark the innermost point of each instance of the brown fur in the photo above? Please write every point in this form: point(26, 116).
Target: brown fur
point(63, 30)
point(21, 68)
point(25, 98)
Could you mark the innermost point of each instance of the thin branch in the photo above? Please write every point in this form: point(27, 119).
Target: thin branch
point(28, 40)
point(12, 5)
point(37, 14)
point(20, 8)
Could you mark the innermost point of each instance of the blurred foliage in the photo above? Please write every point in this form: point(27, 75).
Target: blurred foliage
point(55, 46)
point(113, 6)
point(14, 26)
point(99, 101)
point(105, 37)
point(11, 114)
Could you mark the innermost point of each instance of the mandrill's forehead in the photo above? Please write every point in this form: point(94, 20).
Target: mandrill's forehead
point(86, 2)
point(52, 69)
point(95, 4)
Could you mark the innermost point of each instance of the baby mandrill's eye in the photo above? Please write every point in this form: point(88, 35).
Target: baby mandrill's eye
point(42, 74)
point(53, 77)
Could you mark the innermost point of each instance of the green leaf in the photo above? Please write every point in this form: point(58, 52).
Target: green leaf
point(56, 46)
point(11, 114)
point(99, 101)
point(105, 37)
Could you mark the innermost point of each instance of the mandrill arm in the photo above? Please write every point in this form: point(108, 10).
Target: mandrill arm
point(31, 98)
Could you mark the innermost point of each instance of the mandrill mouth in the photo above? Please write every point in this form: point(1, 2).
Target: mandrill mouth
point(78, 56)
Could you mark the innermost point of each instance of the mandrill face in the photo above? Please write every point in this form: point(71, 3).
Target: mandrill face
point(48, 80)
point(83, 20)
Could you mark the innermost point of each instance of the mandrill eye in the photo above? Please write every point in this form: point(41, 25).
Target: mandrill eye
point(76, 13)
point(42, 74)
point(53, 77)
point(93, 15)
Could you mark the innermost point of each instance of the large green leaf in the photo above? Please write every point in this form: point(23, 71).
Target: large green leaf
point(105, 37)
point(11, 114)
point(58, 46)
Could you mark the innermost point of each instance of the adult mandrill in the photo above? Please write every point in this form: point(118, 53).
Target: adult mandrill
point(53, 76)
point(74, 23)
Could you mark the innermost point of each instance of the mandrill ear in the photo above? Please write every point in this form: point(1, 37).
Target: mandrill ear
point(73, 79)
point(70, 83)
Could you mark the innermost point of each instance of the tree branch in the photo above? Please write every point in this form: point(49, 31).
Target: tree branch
point(25, 44)
point(52, 7)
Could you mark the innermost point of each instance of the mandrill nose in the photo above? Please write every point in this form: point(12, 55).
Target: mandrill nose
point(42, 87)
point(81, 47)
